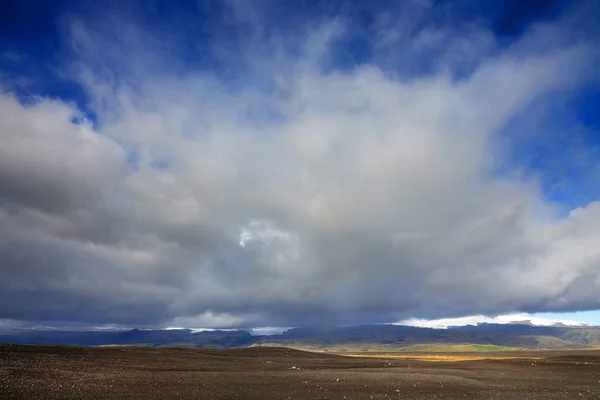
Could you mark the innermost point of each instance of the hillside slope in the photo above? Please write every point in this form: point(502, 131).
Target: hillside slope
point(353, 338)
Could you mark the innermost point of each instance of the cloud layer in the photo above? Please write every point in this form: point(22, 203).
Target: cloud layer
point(445, 323)
point(299, 192)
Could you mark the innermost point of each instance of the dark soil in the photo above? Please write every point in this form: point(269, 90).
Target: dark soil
point(61, 372)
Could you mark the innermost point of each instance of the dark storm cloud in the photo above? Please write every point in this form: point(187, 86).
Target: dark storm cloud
point(319, 194)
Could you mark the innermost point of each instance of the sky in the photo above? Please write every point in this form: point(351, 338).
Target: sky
point(239, 163)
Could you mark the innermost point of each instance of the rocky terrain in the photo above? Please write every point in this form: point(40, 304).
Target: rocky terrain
point(65, 372)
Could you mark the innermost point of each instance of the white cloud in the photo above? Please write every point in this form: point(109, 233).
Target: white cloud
point(444, 323)
point(207, 320)
point(369, 198)
point(268, 330)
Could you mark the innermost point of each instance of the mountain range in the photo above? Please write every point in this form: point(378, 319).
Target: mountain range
point(483, 336)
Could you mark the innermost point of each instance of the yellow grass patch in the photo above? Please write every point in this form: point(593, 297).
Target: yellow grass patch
point(439, 357)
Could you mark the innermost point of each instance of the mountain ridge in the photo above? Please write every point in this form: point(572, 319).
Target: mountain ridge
point(396, 337)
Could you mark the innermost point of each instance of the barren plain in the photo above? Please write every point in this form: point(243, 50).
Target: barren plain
point(262, 373)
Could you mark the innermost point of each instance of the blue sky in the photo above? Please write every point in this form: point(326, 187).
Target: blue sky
point(591, 317)
point(434, 145)
point(560, 147)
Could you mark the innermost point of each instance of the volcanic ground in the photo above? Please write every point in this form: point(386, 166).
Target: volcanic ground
point(64, 372)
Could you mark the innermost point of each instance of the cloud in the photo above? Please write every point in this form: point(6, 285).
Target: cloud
point(298, 193)
point(501, 319)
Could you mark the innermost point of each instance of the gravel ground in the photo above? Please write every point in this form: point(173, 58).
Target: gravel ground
point(62, 372)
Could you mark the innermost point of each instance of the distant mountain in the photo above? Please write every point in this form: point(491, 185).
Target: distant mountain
point(171, 337)
point(353, 338)
point(483, 336)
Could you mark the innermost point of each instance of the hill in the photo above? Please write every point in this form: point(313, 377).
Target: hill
point(485, 337)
